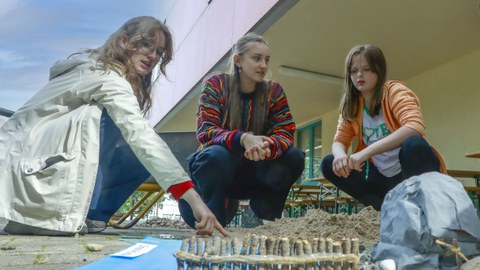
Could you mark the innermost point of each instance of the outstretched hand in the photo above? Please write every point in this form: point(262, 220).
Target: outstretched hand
point(206, 222)
point(256, 147)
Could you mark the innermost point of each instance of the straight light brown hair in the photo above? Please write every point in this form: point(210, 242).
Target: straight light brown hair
point(235, 95)
point(349, 105)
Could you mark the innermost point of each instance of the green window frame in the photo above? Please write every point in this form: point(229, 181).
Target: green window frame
point(309, 140)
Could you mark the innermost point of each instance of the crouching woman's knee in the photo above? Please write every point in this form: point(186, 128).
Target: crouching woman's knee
point(295, 160)
point(215, 158)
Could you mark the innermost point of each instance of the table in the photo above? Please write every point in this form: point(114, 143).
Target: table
point(327, 189)
point(472, 191)
point(299, 191)
point(464, 174)
point(475, 154)
point(303, 196)
point(329, 194)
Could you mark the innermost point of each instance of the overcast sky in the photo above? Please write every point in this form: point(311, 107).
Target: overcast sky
point(34, 34)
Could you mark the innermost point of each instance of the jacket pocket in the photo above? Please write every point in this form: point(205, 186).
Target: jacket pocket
point(39, 183)
point(44, 165)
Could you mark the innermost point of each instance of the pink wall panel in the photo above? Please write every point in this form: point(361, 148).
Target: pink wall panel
point(203, 34)
point(248, 13)
point(183, 17)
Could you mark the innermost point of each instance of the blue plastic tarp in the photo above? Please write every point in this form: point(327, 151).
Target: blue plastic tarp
point(161, 257)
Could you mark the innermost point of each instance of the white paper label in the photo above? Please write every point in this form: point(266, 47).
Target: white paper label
point(135, 250)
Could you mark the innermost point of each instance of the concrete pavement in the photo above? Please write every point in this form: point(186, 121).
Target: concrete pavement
point(55, 253)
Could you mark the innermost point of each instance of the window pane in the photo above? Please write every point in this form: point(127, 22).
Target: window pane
point(309, 140)
point(317, 151)
point(303, 138)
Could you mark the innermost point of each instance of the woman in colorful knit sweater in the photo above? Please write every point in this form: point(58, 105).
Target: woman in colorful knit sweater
point(246, 133)
point(385, 118)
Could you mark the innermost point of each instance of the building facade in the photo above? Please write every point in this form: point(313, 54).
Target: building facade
point(435, 51)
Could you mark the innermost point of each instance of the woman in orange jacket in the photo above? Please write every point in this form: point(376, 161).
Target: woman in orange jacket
point(385, 118)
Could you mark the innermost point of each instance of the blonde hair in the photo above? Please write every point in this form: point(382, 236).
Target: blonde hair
point(349, 106)
point(235, 96)
point(116, 57)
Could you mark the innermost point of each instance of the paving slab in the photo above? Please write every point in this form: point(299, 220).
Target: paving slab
point(56, 253)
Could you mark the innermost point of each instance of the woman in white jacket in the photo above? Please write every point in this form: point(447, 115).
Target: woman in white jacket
point(77, 149)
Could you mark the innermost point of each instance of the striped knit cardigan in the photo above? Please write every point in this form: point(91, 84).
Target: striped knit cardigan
point(213, 121)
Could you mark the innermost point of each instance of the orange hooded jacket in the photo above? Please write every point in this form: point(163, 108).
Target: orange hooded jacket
point(400, 106)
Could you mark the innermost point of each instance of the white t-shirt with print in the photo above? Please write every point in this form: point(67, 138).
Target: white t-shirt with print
point(375, 129)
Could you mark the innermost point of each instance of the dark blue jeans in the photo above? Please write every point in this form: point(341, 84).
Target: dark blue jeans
point(119, 172)
point(416, 157)
point(220, 176)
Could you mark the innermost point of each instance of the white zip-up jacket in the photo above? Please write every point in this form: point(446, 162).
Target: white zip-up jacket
point(49, 148)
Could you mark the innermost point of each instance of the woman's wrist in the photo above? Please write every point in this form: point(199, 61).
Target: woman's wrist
point(191, 196)
point(242, 138)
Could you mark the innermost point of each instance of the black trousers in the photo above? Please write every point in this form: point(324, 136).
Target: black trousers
point(221, 178)
point(416, 157)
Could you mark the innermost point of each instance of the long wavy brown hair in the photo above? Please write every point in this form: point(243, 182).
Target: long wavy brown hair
point(235, 95)
point(349, 106)
point(116, 57)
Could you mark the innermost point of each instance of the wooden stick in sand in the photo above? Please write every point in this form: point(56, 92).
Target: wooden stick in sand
point(191, 250)
point(298, 248)
point(216, 251)
point(237, 245)
point(347, 249)
point(262, 250)
point(183, 247)
point(270, 245)
point(337, 249)
point(285, 251)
